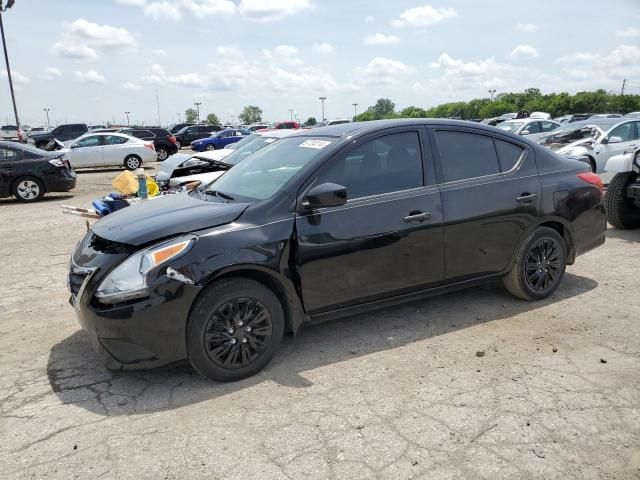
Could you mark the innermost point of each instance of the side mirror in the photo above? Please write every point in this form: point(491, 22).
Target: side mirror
point(325, 195)
point(525, 132)
point(614, 140)
point(75, 145)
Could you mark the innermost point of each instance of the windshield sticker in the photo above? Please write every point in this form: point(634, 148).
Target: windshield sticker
point(270, 140)
point(317, 144)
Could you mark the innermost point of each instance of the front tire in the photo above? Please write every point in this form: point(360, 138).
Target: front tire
point(234, 329)
point(539, 266)
point(621, 212)
point(132, 162)
point(210, 146)
point(28, 189)
point(162, 153)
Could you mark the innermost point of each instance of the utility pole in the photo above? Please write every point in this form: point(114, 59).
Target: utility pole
point(291, 113)
point(624, 83)
point(179, 118)
point(355, 111)
point(47, 110)
point(322, 99)
point(6, 58)
point(158, 105)
point(127, 114)
point(197, 104)
point(492, 92)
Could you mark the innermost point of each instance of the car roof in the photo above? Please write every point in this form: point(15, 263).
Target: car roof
point(273, 133)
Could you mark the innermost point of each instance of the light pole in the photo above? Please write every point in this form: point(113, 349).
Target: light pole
point(291, 113)
point(47, 110)
point(127, 114)
point(197, 104)
point(179, 118)
point(6, 58)
point(492, 92)
point(322, 99)
point(355, 111)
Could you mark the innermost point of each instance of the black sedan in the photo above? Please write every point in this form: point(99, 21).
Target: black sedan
point(28, 173)
point(326, 223)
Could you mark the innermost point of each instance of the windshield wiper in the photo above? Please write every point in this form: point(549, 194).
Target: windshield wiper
point(226, 196)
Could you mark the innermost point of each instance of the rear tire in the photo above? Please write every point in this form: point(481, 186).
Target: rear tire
point(132, 162)
point(539, 267)
point(27, 189)
point(178, 144)
point(234, 329)
point(621, 213)
point(162, 153)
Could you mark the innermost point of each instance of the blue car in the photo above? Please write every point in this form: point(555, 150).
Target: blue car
point(219, 139)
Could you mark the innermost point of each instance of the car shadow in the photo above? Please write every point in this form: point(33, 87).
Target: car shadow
point(49, 197)
point(632, 236)
point(77, 376)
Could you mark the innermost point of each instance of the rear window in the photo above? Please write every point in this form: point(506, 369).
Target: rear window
point(508, 154)
point(465, 155)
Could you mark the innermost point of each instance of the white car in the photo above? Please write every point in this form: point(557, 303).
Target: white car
point(623, 136)
point(529, 126)
point(109, 150)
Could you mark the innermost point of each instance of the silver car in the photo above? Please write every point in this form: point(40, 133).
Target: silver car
point(535, 127)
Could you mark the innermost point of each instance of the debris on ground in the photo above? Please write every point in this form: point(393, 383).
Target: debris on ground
point(602, 360)
point(538, 452)
point(555, 349)
point(490, 427)
point(480, 353)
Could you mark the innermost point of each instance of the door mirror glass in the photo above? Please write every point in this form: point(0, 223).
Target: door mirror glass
point(525, 132)
point(325, 195)
point(614, 140)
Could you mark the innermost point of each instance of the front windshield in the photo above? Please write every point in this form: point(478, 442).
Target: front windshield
point(262, 174)
point(510, 126)
point(252, 145)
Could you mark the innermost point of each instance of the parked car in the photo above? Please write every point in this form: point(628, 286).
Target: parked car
point(11, 132)
point(569, 133)
point(623, 194)
point(286, 125)
point(605, 144)
point(176, 172)
point(576, 117)
point(27, 173)
point(219, 139)
point(259, 126)
point(194, 132)
point(163, 140)
point(176, 127)
point(605, 115)
point(319, 226)
point(540, 115)
point(110, 149)
point(633, 114)
point(529, 126)
point(35, 130)
point(63, 133)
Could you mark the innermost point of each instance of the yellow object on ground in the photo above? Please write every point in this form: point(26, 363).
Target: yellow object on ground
point(126, 183)
point(152, 187)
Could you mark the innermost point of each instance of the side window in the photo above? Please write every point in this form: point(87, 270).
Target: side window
point(386, 164)
point(93, 141)
point(465, 155)
point(533, 127)
point(61, 130)
point(114, 140)
point(637, 133)
point(508, 154)
point(7, 154)
point(205, 129)
point(624, 131)
point(548, 126)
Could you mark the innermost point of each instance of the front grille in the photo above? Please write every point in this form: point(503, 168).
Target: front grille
point(75, 282)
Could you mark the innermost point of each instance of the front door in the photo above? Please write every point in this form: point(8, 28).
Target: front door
point(8, 159)
point(387, 239)
point(628, 135)
point(87, 152)
point(490, 197)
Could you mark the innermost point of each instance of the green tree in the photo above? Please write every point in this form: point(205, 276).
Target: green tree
point(311, 121)
point(250, 114)
point(212, 119)
point(190, 115)
point(384, 108)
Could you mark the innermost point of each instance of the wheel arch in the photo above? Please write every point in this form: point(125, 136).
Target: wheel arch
point(561, 226)
point(21, 177)
point(291, 305)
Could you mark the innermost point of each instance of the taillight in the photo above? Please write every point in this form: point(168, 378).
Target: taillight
point(593, 179)
point(172, 139)
point(151, 146)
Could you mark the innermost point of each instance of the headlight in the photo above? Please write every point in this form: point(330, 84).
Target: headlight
point(129, 279)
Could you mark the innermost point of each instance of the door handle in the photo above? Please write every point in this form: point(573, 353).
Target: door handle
point(417, 217)
point(527, 197)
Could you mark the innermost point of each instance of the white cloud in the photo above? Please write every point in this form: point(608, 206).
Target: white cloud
point(75, 52)
point(284, 54)
point(159, 52)
point(90, 76)
point(382, 70)
point(380, 39)
point(630, 32)
point(131, 86)
point(603, 69)
point(285, 51)
point(228, 51)
point(51, 73)
point(524, 51)
point(132, 3)
point(323, 48)
point(271, 10)
point(424, 16)
point(100, 36)
point(526, 28)
point(369, 19)
point(164, 10)
point(17, 77)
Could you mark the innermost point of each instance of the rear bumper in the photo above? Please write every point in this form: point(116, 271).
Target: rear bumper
point(55, 183)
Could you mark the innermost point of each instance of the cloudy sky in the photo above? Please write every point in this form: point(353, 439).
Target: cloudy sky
point(92, 60)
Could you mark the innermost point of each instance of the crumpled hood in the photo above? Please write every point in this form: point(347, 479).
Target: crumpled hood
point(584, 143)
point(164, 217)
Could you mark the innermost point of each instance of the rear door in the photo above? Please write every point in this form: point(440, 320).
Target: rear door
point(627, 133)
point(490, 197)
point(115, 149)
point(387, 239)
point(9, 157)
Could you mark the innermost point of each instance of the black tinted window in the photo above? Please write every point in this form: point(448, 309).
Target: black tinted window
point(9, 154)
point(508, 154)
point(386, 164)
point(466, 155)
point(115, 140)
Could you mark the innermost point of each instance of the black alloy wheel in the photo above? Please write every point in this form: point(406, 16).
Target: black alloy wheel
point(238, 332)
point(543, 264)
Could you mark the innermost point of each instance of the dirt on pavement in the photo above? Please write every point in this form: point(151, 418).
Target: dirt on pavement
point(473, 384)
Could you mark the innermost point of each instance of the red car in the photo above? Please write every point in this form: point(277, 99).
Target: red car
point(286, 125)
